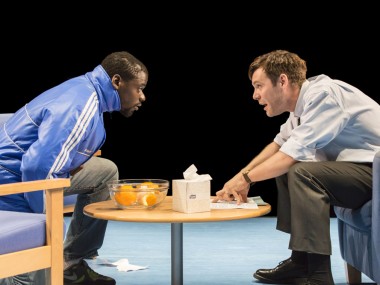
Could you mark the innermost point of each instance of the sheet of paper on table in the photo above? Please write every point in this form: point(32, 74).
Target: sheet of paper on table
point(252, 203)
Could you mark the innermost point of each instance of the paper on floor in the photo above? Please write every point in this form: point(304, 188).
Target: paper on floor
point(124, 265)
point(121, 265)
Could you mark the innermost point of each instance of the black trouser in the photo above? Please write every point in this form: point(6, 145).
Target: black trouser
point(305, 194)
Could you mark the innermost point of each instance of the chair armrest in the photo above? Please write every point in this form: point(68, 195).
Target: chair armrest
point(54, 200)
point(50, 255)
point(31, 186)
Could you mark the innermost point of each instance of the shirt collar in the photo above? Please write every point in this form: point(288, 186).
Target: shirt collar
point(299, 106)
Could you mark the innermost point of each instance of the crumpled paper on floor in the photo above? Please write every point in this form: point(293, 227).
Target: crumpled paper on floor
point(121, 265)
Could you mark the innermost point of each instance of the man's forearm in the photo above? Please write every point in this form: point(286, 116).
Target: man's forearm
point(267, 152)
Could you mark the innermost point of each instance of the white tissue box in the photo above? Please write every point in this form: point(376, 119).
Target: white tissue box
point(191, 196)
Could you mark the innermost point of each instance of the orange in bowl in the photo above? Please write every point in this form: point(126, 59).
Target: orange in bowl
point(126, 198)
point(148, 185)
point(126, 187)
point(138, 193)
point(149, 199)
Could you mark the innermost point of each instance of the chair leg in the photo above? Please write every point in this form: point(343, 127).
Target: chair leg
point(48, 276)
point(353, 276)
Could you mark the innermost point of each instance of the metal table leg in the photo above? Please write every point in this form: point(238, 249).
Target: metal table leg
point(177, 253)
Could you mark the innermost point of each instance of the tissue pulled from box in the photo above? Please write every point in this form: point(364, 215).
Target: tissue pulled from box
point(192, 175)
point(192, 194)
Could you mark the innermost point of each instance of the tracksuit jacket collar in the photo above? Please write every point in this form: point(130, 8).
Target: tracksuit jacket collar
point(109, 99)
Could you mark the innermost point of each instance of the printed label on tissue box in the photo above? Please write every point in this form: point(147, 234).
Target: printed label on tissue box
point(191, 196)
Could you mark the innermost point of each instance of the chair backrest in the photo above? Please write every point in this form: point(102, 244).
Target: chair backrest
point(359, 234)
point(48, 255)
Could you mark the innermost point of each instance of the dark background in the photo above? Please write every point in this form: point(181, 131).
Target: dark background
point(199, 108)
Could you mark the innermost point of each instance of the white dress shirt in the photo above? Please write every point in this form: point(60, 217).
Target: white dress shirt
point(338, 122)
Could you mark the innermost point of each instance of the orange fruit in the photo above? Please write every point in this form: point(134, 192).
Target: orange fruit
point(125, 187)
point(125, 197)
point(148, 184)
point(149, 199)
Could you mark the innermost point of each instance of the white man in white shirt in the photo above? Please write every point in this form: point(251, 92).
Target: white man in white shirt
point(322, 156)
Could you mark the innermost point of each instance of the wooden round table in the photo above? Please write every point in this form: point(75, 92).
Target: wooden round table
point(163, 213)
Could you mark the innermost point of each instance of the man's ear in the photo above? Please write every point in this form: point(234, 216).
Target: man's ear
point(283, 79)
point(116, 81)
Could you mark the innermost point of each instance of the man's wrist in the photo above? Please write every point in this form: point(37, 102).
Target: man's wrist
point(246, 177)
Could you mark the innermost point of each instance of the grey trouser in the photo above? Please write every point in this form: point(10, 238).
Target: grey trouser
point(85, 235)
point(306, 193)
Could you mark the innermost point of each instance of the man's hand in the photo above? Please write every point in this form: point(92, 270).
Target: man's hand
point(76, 170)
point(235, 189)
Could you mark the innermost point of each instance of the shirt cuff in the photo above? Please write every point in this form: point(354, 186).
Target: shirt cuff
point(297, 151)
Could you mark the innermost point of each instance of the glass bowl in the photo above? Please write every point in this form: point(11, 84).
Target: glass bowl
point(138, 193)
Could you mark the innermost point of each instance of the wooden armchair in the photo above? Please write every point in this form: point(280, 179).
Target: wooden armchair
point(30, 241)
point(359, 234)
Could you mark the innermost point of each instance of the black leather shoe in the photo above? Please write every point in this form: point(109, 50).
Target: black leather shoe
point(324, 278)
point(285, 273)
point(309, 282)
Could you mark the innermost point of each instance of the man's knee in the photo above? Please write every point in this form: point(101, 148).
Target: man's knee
point(109, 169)
point(102, 168)
point(299, 168)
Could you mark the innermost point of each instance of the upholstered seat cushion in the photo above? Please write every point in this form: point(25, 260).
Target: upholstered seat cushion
point(360, 218)
point(20, 231)
point(70, 199)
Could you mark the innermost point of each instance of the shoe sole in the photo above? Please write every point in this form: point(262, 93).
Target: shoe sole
point(271, 281)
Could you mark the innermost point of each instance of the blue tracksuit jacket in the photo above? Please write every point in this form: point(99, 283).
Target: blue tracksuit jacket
point(53, 134)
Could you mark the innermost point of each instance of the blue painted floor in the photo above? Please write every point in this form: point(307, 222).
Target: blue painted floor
point(214, 253)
